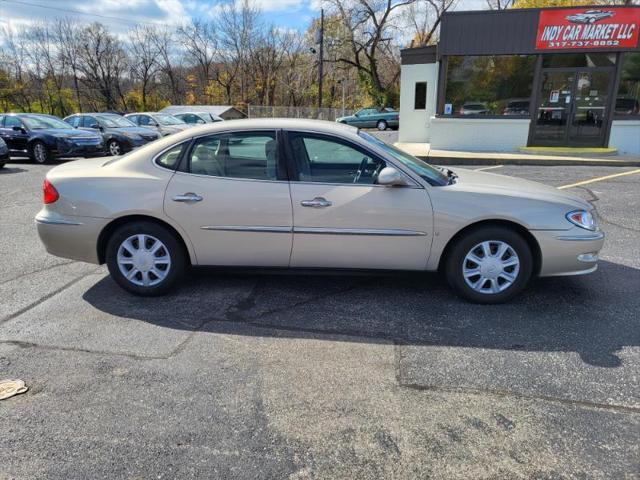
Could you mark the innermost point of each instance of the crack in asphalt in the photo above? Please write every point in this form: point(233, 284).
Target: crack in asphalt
point(594, 198)
point(34, 272)
point(46, 297)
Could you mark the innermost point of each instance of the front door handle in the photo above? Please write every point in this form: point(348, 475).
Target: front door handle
point(187, 198)
point(317, 202)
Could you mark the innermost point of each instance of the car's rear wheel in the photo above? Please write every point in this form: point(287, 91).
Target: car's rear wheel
point(114, 148)
point(382, 125)
point(489, 265)
point(39, 153)
point(145, 258)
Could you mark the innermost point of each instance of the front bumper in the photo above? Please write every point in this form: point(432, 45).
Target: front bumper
point(70, 237)
point(568, 252)
point(79, 150)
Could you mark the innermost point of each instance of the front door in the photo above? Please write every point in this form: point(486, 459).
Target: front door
point(232, 199)
point(14, 134)
point(343, 219)
point(572, 107)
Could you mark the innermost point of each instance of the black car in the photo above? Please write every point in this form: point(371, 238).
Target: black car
point(120, 134)
point(4, 153)
point(45, 137)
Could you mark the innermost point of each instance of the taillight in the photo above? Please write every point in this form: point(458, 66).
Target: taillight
point(50, 193)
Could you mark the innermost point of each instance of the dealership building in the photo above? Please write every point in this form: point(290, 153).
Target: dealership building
point(503, 80)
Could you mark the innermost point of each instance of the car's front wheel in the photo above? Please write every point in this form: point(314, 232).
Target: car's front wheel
point(489, 265)
point(145, 258)
point(382, 125)
point(114, 148)
point(39, 153)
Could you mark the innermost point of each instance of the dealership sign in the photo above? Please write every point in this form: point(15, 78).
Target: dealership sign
point(583, 28)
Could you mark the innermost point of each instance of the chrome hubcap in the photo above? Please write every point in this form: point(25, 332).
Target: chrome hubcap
point(114, 148)
point(40, 153)
point(491, 267)
point(144, 260)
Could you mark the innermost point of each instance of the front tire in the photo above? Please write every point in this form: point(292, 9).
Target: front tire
point(489, 265)
point(114, 148)
point(145, 258)
point(382, 125)
point(40, 154)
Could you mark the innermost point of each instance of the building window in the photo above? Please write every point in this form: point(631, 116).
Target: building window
point(489, 85)
point(628, 97)
point(420, 98)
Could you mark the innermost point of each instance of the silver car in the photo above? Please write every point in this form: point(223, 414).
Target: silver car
point(309, 194)
point(160, 122)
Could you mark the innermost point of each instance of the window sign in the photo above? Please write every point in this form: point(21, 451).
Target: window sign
point(448, 108)
point(584, 28)
point(555, 96)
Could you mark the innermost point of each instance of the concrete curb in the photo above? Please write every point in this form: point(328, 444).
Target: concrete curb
point(555, 162)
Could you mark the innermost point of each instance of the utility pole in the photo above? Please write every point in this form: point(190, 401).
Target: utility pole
point(321, 60)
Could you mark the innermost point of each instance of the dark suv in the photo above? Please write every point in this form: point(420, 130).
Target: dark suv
point(45, 137)
point(120, 134)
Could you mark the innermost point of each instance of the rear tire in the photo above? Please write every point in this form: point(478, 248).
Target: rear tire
point(39, 153)
point(145, 258)
point(489, 265)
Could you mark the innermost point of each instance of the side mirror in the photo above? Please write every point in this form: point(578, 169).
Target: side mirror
point(391, 177)
point(95, 126)
point(18, 129)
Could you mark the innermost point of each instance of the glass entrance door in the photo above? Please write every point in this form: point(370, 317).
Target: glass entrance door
point(572, 107)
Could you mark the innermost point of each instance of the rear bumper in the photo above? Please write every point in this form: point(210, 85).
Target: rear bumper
point(568, 252)
point(70, 237)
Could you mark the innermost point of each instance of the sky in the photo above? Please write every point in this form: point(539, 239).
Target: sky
point(120, 15)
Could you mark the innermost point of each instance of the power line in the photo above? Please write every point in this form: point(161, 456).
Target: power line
point(78, 12)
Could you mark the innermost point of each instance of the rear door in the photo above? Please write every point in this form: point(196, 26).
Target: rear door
point(344, 219)
point(231, 195)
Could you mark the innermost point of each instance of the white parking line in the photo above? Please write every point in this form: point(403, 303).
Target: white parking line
point(599, 179)
point(488, 168)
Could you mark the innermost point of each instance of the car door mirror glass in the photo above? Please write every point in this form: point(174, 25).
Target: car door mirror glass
point(391, 177)
point(18, 129)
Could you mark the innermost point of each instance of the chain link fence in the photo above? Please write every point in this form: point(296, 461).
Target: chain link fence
point(257, 111)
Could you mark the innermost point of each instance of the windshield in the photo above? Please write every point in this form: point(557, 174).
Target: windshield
point(428, 172)
point(40, 123)
point(167, 120)
point(115, 121)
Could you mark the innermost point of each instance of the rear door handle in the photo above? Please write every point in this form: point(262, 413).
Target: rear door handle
point(317, 202)
point(187, 198)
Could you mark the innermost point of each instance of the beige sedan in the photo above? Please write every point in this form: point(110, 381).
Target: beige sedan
point(303, 195)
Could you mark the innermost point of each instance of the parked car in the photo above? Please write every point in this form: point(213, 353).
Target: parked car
point(380, 118)
point(4, 153)
point(474, 108)
point(590, 16)
point(45, 137)
point(627, 106)
point(198, 118)
point(160, 122)
point(517, 106)
point(308, 194)
point(120, 134)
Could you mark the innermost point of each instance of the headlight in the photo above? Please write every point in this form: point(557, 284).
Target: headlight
point(582, 219)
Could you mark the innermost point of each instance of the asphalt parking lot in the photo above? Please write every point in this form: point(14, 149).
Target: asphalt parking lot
point(289, 376)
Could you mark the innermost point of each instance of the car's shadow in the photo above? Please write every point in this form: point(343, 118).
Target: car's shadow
point(594, 315)
point(8, 169)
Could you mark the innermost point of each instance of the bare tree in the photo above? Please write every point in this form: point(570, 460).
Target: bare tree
point(425, 17)
point(368, 26)
point(145, 53)
point(102, 61)
point(201, 45)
